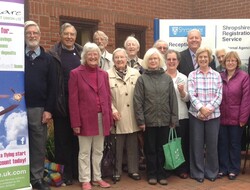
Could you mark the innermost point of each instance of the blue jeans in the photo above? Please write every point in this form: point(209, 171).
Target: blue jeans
point(229, 149)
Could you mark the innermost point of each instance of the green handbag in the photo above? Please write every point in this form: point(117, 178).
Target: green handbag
point(173, 151)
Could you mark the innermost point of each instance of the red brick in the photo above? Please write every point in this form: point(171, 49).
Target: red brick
point(141, 13)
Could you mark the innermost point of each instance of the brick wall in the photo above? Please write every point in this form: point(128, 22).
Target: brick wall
point(134, 12)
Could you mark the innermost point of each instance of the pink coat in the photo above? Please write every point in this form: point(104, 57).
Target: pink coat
point(235, 105)
point(83, 104)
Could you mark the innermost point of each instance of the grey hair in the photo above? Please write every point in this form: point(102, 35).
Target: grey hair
point(178, 55)
point(194, 30)
point(220, 49)
point(120, 49)
point(66, 25)
point(159, 41)
point(87, 48)
point(102, 34)
point(131, 38)
point(31, 23)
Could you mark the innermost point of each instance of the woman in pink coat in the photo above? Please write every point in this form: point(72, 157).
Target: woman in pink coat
point(90, 114)
point(234, 115)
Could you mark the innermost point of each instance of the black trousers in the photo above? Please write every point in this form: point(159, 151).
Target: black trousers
point(154, 139)
point(66, 147)
point(183, 132)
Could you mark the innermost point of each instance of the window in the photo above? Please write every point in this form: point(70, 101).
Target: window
point(122, 31)
point(85, 28)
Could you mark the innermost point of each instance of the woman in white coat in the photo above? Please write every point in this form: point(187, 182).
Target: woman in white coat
point(122, 79)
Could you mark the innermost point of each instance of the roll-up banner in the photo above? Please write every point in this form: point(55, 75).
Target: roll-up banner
point(14, 147)
point(231, 34)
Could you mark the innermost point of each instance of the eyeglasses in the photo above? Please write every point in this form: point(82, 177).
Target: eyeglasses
point(231, 60)
point(169, 59)
point(100, 39)
point(119, 57)
point(153, 59)
point(69, 34)
point(162, 47)
point(32, 33)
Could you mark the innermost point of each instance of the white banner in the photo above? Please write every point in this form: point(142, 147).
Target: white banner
point(14, 142)
point(231, 34)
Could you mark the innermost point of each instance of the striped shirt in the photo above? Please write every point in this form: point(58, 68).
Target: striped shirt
point(205, 90)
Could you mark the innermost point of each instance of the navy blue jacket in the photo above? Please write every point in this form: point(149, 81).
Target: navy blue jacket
point(40, 81)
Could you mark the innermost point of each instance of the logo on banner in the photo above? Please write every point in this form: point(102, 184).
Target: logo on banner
point(182, 31)
point(21, 140)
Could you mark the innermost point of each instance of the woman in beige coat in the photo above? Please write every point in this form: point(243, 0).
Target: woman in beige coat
point(122, 79)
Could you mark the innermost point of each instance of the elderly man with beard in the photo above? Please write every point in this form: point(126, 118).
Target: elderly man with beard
point(40, 96)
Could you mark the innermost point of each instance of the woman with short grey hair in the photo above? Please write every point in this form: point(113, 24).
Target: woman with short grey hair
point(90, 113)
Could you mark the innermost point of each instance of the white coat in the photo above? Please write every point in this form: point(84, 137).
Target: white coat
point(122, 92)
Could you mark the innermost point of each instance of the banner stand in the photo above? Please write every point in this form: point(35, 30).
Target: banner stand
point(14, 139)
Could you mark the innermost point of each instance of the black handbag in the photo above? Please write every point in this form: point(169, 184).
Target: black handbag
point(108, 159)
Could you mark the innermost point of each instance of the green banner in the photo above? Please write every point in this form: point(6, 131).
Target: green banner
point(13, 177)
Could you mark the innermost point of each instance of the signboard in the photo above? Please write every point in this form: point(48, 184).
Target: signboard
point(231, 34)
point(14, 147)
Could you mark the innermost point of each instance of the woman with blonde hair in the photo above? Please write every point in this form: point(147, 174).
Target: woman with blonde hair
point(156, 110)
point(205, 91)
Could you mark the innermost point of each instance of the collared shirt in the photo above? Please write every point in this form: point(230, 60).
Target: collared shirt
point(205, 90)
point(36, 53)
point(135, 61)
point(106, 61)
point(64, 47)
point(193, 55)
point(136, 64)
point(182, 107)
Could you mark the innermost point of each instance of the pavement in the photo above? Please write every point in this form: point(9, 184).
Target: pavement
point(242, 182)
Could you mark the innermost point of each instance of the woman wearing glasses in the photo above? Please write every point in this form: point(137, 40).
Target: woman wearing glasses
point(234, 115)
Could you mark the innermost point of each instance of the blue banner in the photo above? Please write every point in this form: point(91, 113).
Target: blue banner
point(182, 31)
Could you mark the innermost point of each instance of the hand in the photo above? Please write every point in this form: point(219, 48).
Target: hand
point(201, 116)
point(172, 125)
point(46, 117)
point(142, 127)
point(116, 116)
point(76, 130)
point(180, 87)
point(206, 111)
point(242, 124)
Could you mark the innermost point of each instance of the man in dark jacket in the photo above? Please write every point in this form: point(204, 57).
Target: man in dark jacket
point(40, 96)
point(67, 53)
point(188, 63)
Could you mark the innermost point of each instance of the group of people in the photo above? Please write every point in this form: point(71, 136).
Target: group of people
point(91, 94)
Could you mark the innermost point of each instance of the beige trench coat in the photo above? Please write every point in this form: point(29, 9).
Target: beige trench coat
point(122, 92)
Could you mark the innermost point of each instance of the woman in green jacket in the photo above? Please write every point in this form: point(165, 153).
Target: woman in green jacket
point(156, 109)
